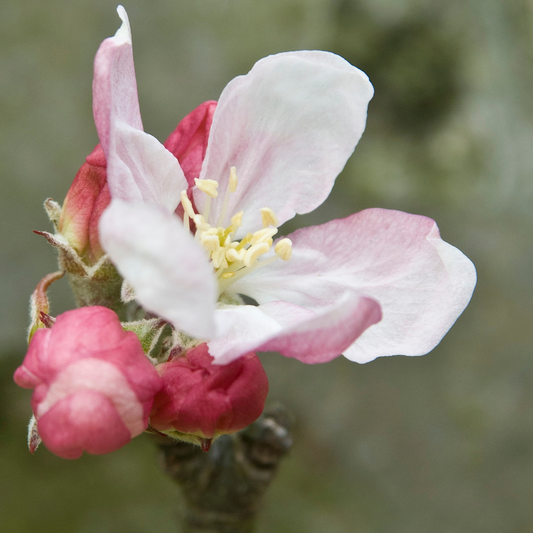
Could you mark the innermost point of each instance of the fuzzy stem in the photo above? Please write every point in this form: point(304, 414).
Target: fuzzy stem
point(223, 489)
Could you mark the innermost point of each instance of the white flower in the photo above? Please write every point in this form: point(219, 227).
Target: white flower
point(377, 283)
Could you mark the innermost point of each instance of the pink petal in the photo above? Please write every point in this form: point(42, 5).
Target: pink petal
point(311, 337)
point(288, 127)
point(163, 263)
point(114, 84)
point(84, 421)
point(188, 142)
point(139, 168)
point(422, 283)
point(76, 334)
point(99, 376)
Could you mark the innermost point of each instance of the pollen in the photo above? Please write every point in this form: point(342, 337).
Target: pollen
point(233, 257)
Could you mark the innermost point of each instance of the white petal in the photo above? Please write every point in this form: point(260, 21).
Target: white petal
point(162, 262)
point(141, 169)
point(288, 127)
point(421, 282)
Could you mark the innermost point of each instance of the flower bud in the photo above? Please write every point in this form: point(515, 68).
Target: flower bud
point(94, 387)
point(86, 199)
point(188, 142)
point(200, 401)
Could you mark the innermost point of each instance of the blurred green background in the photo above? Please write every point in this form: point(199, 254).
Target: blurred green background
point(439, 444)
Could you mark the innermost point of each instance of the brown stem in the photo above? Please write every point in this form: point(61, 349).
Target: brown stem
point(223, 489)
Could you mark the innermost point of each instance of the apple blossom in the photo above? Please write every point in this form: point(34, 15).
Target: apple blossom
point(94, 387)
point(200, 401)
point(377, 283)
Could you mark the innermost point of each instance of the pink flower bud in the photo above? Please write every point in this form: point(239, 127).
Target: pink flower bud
point(188, 142)
point(203, 400)
point(94, 387)
point(86, 199)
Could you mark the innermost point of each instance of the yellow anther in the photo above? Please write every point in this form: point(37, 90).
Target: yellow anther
point(200, 222)
point(233, 181)
point(263, 235)
point(228, 275)
point(187, 205)
point(207, 186)
point(268, 217)
point(283, 249)
point(247, 240)
point(210, 242)
point(219, 258)
point(233, 255)
point(254, 252)
point(236, 220)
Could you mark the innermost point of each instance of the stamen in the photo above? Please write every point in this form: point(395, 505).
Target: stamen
point(233, 255)
point(207, 186)
point(232, 187)
point(244, 242)
point(207, 208)
point(201, 224)
point(233, 181)
point(268, 217)
point(210, 242)
point(187, 204)
point(219, 258)
point(236, 220)
point(283, 249)
point(230, 258)
point(254, 252)
point(263, 235)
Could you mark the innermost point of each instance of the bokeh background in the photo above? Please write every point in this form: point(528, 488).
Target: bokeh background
point(441, 443)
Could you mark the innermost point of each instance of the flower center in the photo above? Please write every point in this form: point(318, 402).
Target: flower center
point(232, 259)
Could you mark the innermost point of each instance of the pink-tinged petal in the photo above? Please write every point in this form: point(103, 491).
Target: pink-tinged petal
point(98, 376)
point(188, 142)
point(85, 421)
point(78, 334)
point(114, 84)
point(141, 169)
point(311, 337)
point(163, 263)
point(31, 373)
point(86, 199)
point(326, 336)
point(206, 400)
point(288, 127)
point(421, 282)
point(25, 378)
